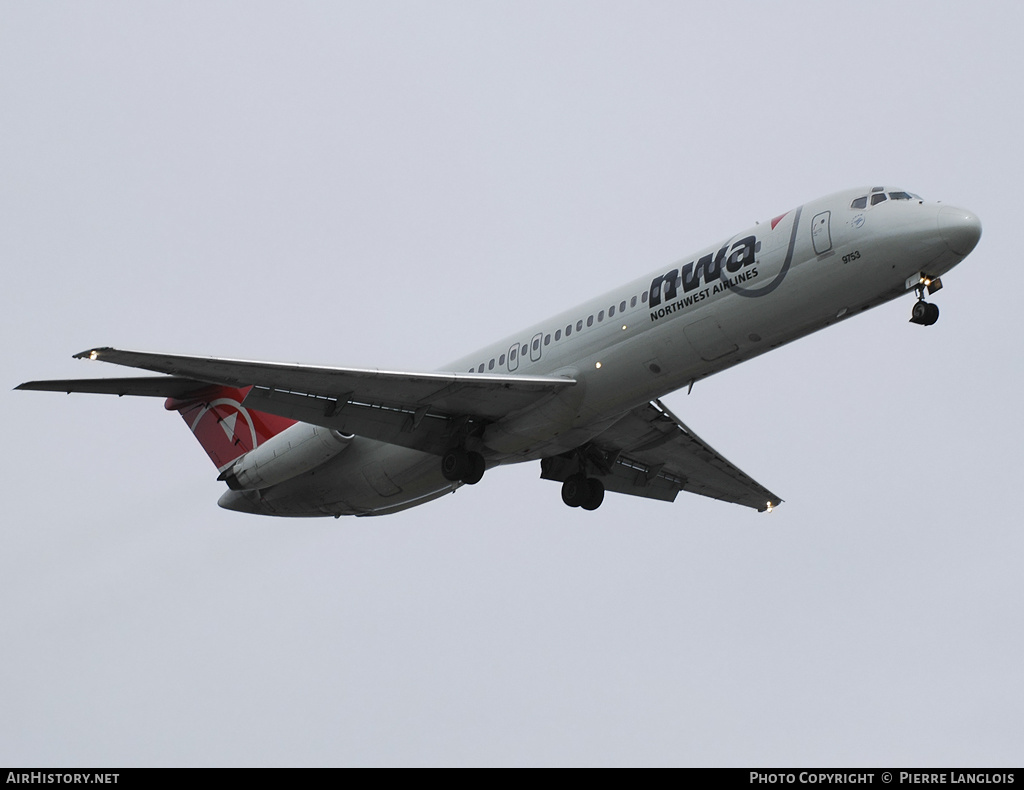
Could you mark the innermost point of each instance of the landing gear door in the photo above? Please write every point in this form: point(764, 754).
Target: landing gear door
point(820, 233)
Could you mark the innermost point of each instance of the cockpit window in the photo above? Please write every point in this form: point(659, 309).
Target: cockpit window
point(878, 196)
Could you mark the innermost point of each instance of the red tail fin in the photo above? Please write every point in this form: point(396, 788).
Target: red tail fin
point(224, 427)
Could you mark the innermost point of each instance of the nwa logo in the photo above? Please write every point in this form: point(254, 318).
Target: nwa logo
point(710, 269)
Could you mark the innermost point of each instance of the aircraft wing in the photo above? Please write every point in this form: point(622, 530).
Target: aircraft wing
point(650, 452)
point(424, 411)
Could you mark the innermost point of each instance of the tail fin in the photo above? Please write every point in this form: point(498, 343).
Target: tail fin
point(224, 427)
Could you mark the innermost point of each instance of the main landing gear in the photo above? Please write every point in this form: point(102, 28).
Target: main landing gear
point(464, 466)
point(580, 472)
point(925, 313)
point(581, 491)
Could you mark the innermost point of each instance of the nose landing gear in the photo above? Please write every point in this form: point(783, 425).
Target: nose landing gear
point(925, 313)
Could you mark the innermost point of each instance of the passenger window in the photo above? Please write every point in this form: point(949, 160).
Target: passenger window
point(600, 316)
point(501, 360)
point(876, 199)
point(490, 365)
point(590, 320)
point(512, 354)
point(568, 330)
point(622, 306)
point(644, 297)
point(632, 302)
point(525, 349)
point(536, 344)
point(558, 335)
point(579, 326)
point(861, 202)
point(611, 311)
point(481, 368)
point(547, 340)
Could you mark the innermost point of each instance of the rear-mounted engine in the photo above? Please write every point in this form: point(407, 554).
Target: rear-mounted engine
point(292, 452)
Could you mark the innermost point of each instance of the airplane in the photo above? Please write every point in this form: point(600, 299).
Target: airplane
point(579, 392)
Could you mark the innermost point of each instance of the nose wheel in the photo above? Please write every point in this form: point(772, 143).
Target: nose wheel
point(925, 313)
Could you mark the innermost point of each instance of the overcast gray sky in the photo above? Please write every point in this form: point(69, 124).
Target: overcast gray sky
point(226, 178)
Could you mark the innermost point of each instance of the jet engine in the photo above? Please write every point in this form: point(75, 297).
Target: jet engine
point(294, 451)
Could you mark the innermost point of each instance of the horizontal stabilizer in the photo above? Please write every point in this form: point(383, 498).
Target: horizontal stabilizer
point(226, 429)
point(146, 386)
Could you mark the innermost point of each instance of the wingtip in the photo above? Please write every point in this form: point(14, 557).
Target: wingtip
point(92, 353)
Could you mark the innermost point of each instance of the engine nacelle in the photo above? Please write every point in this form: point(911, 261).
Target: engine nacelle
point(293, 452)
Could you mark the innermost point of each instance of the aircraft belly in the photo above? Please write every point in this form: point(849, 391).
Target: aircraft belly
point(610, 382)
point(526, 431)
point(369, 477)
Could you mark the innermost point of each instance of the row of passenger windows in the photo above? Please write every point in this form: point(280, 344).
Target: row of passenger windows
point(517, 352)
point(878, 196)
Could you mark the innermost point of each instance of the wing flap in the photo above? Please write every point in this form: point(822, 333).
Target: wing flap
point(620, 476)
point(418, 429)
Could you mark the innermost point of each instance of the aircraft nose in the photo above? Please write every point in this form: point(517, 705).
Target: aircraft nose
point(960, 228)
